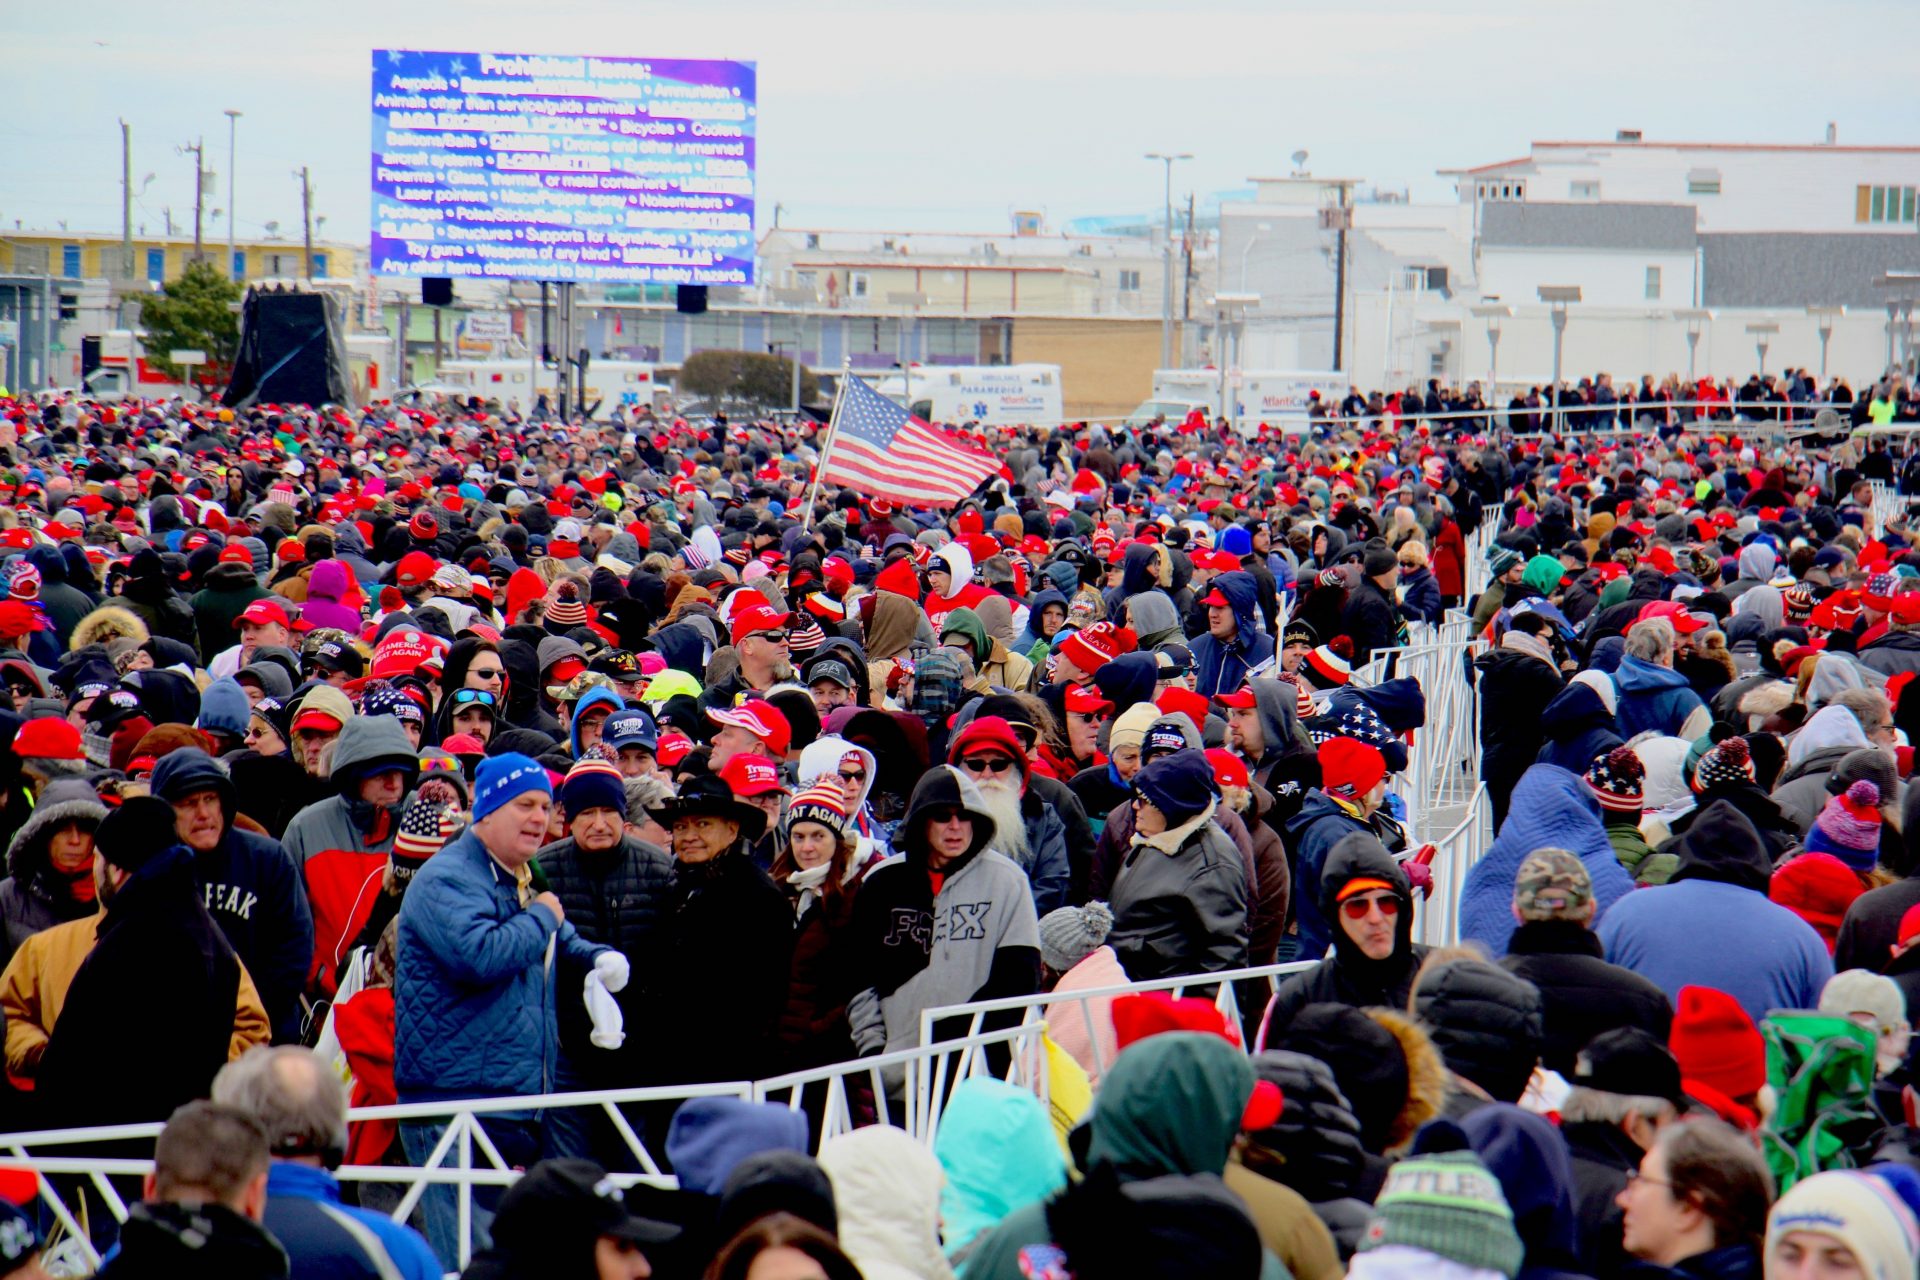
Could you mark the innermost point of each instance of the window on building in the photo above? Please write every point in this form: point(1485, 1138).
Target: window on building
point(808, 280)
point(320, 264)
point(813, 239)
point(70, 260)
point(1653, 284)
point(858, 284)
point(239, 264)
point(1703, 182)
point(1584, 191)
point(157, 265)
point(69, 307)
point(1884, 204)
point(1129, 281)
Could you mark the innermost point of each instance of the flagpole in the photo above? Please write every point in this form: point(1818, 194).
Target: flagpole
point(826, 447)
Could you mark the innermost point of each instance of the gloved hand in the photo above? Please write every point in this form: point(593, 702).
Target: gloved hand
point(609, 1025)
point(613, 970)
point(1420, 876)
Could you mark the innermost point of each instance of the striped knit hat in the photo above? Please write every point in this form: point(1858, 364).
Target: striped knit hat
point(1329, 666)
point(24, 582)
point(592, 784)
point(1849, 827)
point(1799, 604)
point(1447, 1204)
point(565, 609)
point(425, 825)
point(823, 802)
point(1615, 780)
point(1728, 761)
point(1095, 646)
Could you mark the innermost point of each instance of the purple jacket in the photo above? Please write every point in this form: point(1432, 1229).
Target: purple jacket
point(328, 582)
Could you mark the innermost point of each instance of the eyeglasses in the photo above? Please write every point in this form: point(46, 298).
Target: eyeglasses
point(486, 673)
point(1634, 1176)
point(474, 697)
point(943, 815)
point(1409, 564)
point(859, 775)
point(1359, 908)
point(986, 764)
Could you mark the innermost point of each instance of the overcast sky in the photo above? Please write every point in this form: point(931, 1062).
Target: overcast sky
point(948, 115)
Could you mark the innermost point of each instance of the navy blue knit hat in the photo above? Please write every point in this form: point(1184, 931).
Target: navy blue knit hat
point(1179, 785)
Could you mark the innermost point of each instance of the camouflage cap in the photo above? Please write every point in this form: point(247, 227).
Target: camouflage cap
point(578, 687)
point(1552, 884)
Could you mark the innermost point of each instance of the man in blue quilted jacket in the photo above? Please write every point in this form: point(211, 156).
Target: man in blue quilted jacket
point(474, 991)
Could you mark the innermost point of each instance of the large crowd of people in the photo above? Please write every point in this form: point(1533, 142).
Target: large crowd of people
point(423, 754)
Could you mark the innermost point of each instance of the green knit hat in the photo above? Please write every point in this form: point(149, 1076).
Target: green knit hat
point(1448, 1204)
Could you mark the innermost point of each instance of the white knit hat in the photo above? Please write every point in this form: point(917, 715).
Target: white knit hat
point(1860, 1211)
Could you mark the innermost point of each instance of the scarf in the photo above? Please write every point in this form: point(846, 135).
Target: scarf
point(560, 549)
point(1532, 646)
point(806, 882)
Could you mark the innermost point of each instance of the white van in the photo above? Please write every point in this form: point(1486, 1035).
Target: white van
point(1278, 397)
point(1002, 395)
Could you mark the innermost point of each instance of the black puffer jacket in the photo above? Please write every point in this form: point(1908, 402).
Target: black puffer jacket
point(617, 897)
point(1315, 1147)
point(1581, 995)
point(1486, 1024)
point(1348, 976)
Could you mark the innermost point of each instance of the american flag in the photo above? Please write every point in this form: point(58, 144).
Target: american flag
point(880, 449)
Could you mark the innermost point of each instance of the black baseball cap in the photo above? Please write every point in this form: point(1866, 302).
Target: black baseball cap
point(1629, 1060)
point(336, 655)
point(561, 1201)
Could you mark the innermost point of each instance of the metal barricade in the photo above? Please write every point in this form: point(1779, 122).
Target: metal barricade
point(1436, 919)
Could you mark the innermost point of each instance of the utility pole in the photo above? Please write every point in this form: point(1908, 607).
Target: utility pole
point(233, 124)
point(1340, 279)
point(126, 200)
point(1186, 277)
point(199, 150)
point(1166, 264)
point(306, 224)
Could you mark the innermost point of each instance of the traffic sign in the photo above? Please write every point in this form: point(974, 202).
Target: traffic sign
point(186, 355)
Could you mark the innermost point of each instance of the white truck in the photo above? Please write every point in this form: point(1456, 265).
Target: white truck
point(612, 383)
point(1278, 397)
point(1002, 395)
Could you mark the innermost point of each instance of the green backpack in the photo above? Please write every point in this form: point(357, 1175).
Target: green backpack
point(1821, 1071)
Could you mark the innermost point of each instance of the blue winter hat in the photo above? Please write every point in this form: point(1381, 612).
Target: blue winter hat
point(224, 708)
point(1179, 785)
point(503, 778)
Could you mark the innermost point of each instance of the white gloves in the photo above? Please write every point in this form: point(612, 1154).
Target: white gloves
point(612, 969)
point(609, 1028)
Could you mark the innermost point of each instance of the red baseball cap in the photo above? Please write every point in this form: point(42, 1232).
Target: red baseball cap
point(757, 618)
point(1229, 770)
point(401, 653)
point(1240, 699)
point(1086, 702)
point(1214, 597)
point(1674, 612)
point(415, 568)
point(761, 719)
point(316, 719)
point(261, 612)
point(673, 748)
point(752, 776)
point(235, 553)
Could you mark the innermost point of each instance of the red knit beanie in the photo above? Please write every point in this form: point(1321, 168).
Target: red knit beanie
point(1818, 888)
point(1716, 1043)
point(1350, 768)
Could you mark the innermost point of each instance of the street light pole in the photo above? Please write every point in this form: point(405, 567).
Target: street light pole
point(1557, 296)
point(1166, 300)
point(233, 124)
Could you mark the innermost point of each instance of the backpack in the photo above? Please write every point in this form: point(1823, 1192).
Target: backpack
point(1821, 1070)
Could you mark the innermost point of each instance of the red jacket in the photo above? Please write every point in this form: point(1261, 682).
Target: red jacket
point(364, 1025)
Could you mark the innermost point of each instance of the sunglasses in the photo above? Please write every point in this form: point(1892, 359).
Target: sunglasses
point(858, 776)
point(473, 697)
point(1359, 908)
point(986, 764)
point(486, 673)
point(941, 816)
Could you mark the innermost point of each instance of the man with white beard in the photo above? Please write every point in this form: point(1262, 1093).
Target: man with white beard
point(1026, 831)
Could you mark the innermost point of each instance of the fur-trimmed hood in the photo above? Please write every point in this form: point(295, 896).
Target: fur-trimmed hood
point(108, 622)
point(1426, 1077)
point(64, 800)
point(1767, 699)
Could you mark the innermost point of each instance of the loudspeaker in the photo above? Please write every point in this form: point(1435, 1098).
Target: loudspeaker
point(436, 291)
point(691, 300)
point(292, 350)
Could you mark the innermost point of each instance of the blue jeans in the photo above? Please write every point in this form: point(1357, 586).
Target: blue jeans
point(517, 1136)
